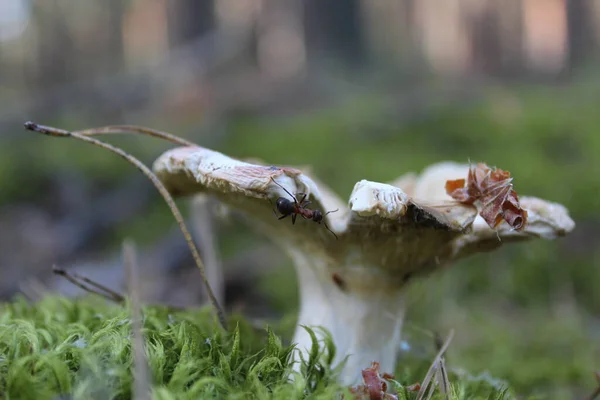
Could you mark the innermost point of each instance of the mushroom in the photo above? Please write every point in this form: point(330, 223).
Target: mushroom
point(387, 235)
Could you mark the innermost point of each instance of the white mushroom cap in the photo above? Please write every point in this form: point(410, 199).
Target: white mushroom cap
point(397, 230)
point(388, 233)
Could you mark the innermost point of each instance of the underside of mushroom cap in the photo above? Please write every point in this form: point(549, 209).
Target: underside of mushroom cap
point(387, 233)
point(382, 228)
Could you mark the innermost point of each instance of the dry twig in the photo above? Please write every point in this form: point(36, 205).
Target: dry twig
point(134, 129)
point(51, 131)
point(94, 287)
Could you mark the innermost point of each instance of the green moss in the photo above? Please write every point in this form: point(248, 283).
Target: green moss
point(58, 347)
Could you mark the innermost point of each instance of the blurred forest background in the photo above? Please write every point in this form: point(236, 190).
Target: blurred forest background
point(357, 90)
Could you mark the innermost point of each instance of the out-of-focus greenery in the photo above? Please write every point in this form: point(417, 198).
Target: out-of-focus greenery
point(527, 313)
point(545, 136)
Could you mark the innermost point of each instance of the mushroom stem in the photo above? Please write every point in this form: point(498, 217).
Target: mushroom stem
point(363, 328)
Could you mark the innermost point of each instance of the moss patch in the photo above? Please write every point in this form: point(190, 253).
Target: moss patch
point(83, 348)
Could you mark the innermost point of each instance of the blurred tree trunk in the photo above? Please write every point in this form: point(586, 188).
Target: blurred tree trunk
point(334, 28)
point(190, 19)
point(581, 35)
point(54, 47)
point(495, 35)
point(115, 46)
point(510, 24)
point(485, 36)
point(388, 30)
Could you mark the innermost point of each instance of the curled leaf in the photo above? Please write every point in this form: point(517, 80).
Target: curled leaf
point(492, 191)
point(375, 386)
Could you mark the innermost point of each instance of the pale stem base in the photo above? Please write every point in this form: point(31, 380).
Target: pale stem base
point(363, 329)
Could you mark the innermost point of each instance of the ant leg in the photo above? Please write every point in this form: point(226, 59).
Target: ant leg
point(294, 218)
point(332, 232)
point(286, 215)
point(303, 202)
point(273, 208)
point(302, 199)
point(287, 191)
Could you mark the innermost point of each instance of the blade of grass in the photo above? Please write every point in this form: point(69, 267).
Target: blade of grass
point(204, 228)
point(429, 377)
point(442, 379)
point(141, 374)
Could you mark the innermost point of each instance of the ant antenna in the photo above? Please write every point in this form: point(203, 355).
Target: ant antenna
point(325, 223)
point(279, 184)
point(50, 131)
point(326, 226)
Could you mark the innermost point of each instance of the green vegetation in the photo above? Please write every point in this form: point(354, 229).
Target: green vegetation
point(525, 314)
point(84, 348)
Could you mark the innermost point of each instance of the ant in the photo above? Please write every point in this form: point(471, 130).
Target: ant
point(295, 208)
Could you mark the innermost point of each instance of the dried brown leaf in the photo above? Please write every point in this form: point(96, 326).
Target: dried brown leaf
point(375, 385)
point(494, 193)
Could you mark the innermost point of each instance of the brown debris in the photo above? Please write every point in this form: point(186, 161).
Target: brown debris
point(494, 192)
point(415, 387)
point(375, 385)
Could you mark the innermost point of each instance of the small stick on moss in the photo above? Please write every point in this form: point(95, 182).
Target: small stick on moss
point(51, 131)
point(99, 286)
point(78, 280)
point(109, 294)
point(134, 129)
point(433, 371)
point(141, 375)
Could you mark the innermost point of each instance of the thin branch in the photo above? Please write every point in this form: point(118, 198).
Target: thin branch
point(99, 286)
point(109, 294)
point(50, 131)
point(79, 282)
point(134, 129)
